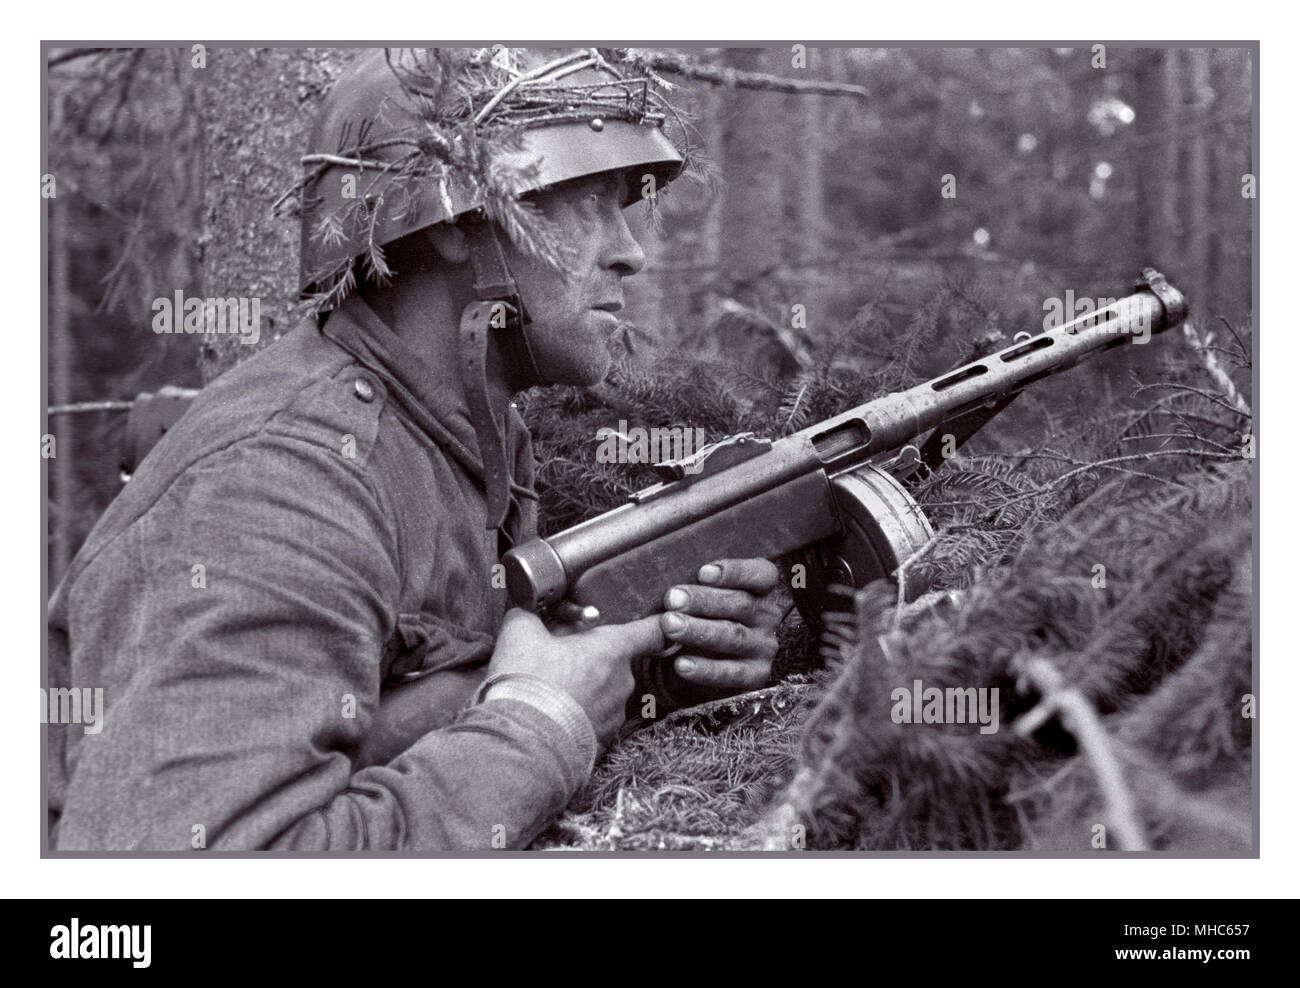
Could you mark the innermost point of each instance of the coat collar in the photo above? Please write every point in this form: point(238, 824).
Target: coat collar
point(431, 395)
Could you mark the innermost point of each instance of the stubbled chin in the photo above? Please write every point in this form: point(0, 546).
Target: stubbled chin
point(580, 354)
point(579, 366)
point(593, 370)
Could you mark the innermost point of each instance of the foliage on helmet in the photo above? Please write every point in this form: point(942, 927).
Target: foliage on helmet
point(452, 128)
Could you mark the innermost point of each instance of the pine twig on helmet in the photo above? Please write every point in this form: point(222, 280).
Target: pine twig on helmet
point(431, 134)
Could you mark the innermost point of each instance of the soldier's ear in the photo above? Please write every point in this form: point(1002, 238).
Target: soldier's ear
point(449, 241)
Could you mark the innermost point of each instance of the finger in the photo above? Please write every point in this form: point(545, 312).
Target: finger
point(626, 641)
point(758, 576)
point(710, 635)
point(714, 602)
point(747, 674)
point(519, 622)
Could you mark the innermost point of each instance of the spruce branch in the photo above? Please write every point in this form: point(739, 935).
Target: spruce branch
point(691, 68)
point(1079, 717)
point(1204, 351)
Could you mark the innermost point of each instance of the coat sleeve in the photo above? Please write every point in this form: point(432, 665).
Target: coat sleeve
point(261, 591)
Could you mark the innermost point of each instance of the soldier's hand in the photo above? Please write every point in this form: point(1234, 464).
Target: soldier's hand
point(593, 666)
point(726, 624)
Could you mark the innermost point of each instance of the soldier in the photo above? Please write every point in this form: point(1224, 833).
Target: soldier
point(291, 607)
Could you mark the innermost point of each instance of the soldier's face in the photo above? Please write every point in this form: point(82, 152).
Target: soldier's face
point(573, 312)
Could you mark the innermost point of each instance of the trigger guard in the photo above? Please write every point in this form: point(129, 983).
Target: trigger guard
point(881, 526)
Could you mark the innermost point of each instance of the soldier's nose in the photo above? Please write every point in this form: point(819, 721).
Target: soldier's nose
point(623, 253)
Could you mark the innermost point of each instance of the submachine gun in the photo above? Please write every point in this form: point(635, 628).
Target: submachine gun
point(829, 496)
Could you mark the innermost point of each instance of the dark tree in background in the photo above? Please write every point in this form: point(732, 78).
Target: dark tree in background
point(257, 109)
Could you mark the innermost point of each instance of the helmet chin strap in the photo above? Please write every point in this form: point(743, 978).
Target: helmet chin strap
point(497, 309)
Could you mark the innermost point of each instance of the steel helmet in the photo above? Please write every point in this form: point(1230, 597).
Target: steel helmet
point(412, 137)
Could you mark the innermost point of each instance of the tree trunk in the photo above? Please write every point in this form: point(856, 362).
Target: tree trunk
point(806, 230)
point(750, 236)
point(712, 254)
point(258, 106)
point(1199, 195)
point(1158, 104)
point(61, 358)
point(1157, 165)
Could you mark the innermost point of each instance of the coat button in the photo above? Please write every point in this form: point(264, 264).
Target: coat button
point(364, 390)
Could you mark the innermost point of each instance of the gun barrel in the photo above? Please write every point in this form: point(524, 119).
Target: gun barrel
point(893, 420)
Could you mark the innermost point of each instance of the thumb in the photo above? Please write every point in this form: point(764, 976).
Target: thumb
point(626, 641)
point(518, 621)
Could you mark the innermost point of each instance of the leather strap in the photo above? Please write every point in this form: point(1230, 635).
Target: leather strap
point(493, 282)
point(499, 309)
point(492, 278)
point(475, 324)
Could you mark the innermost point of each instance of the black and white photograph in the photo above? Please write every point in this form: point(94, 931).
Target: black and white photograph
point(722, 449)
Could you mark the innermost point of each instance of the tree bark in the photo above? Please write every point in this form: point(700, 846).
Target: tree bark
point(258, 106)
point(1157, 103)
point(806, 232)
point(751, 240)
point(1199, 196)
point(61, 358)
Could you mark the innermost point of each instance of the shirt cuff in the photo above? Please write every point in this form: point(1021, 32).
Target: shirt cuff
point(550, 700)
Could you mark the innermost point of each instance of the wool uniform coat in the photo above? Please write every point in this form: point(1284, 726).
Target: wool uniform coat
point(289, 609)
